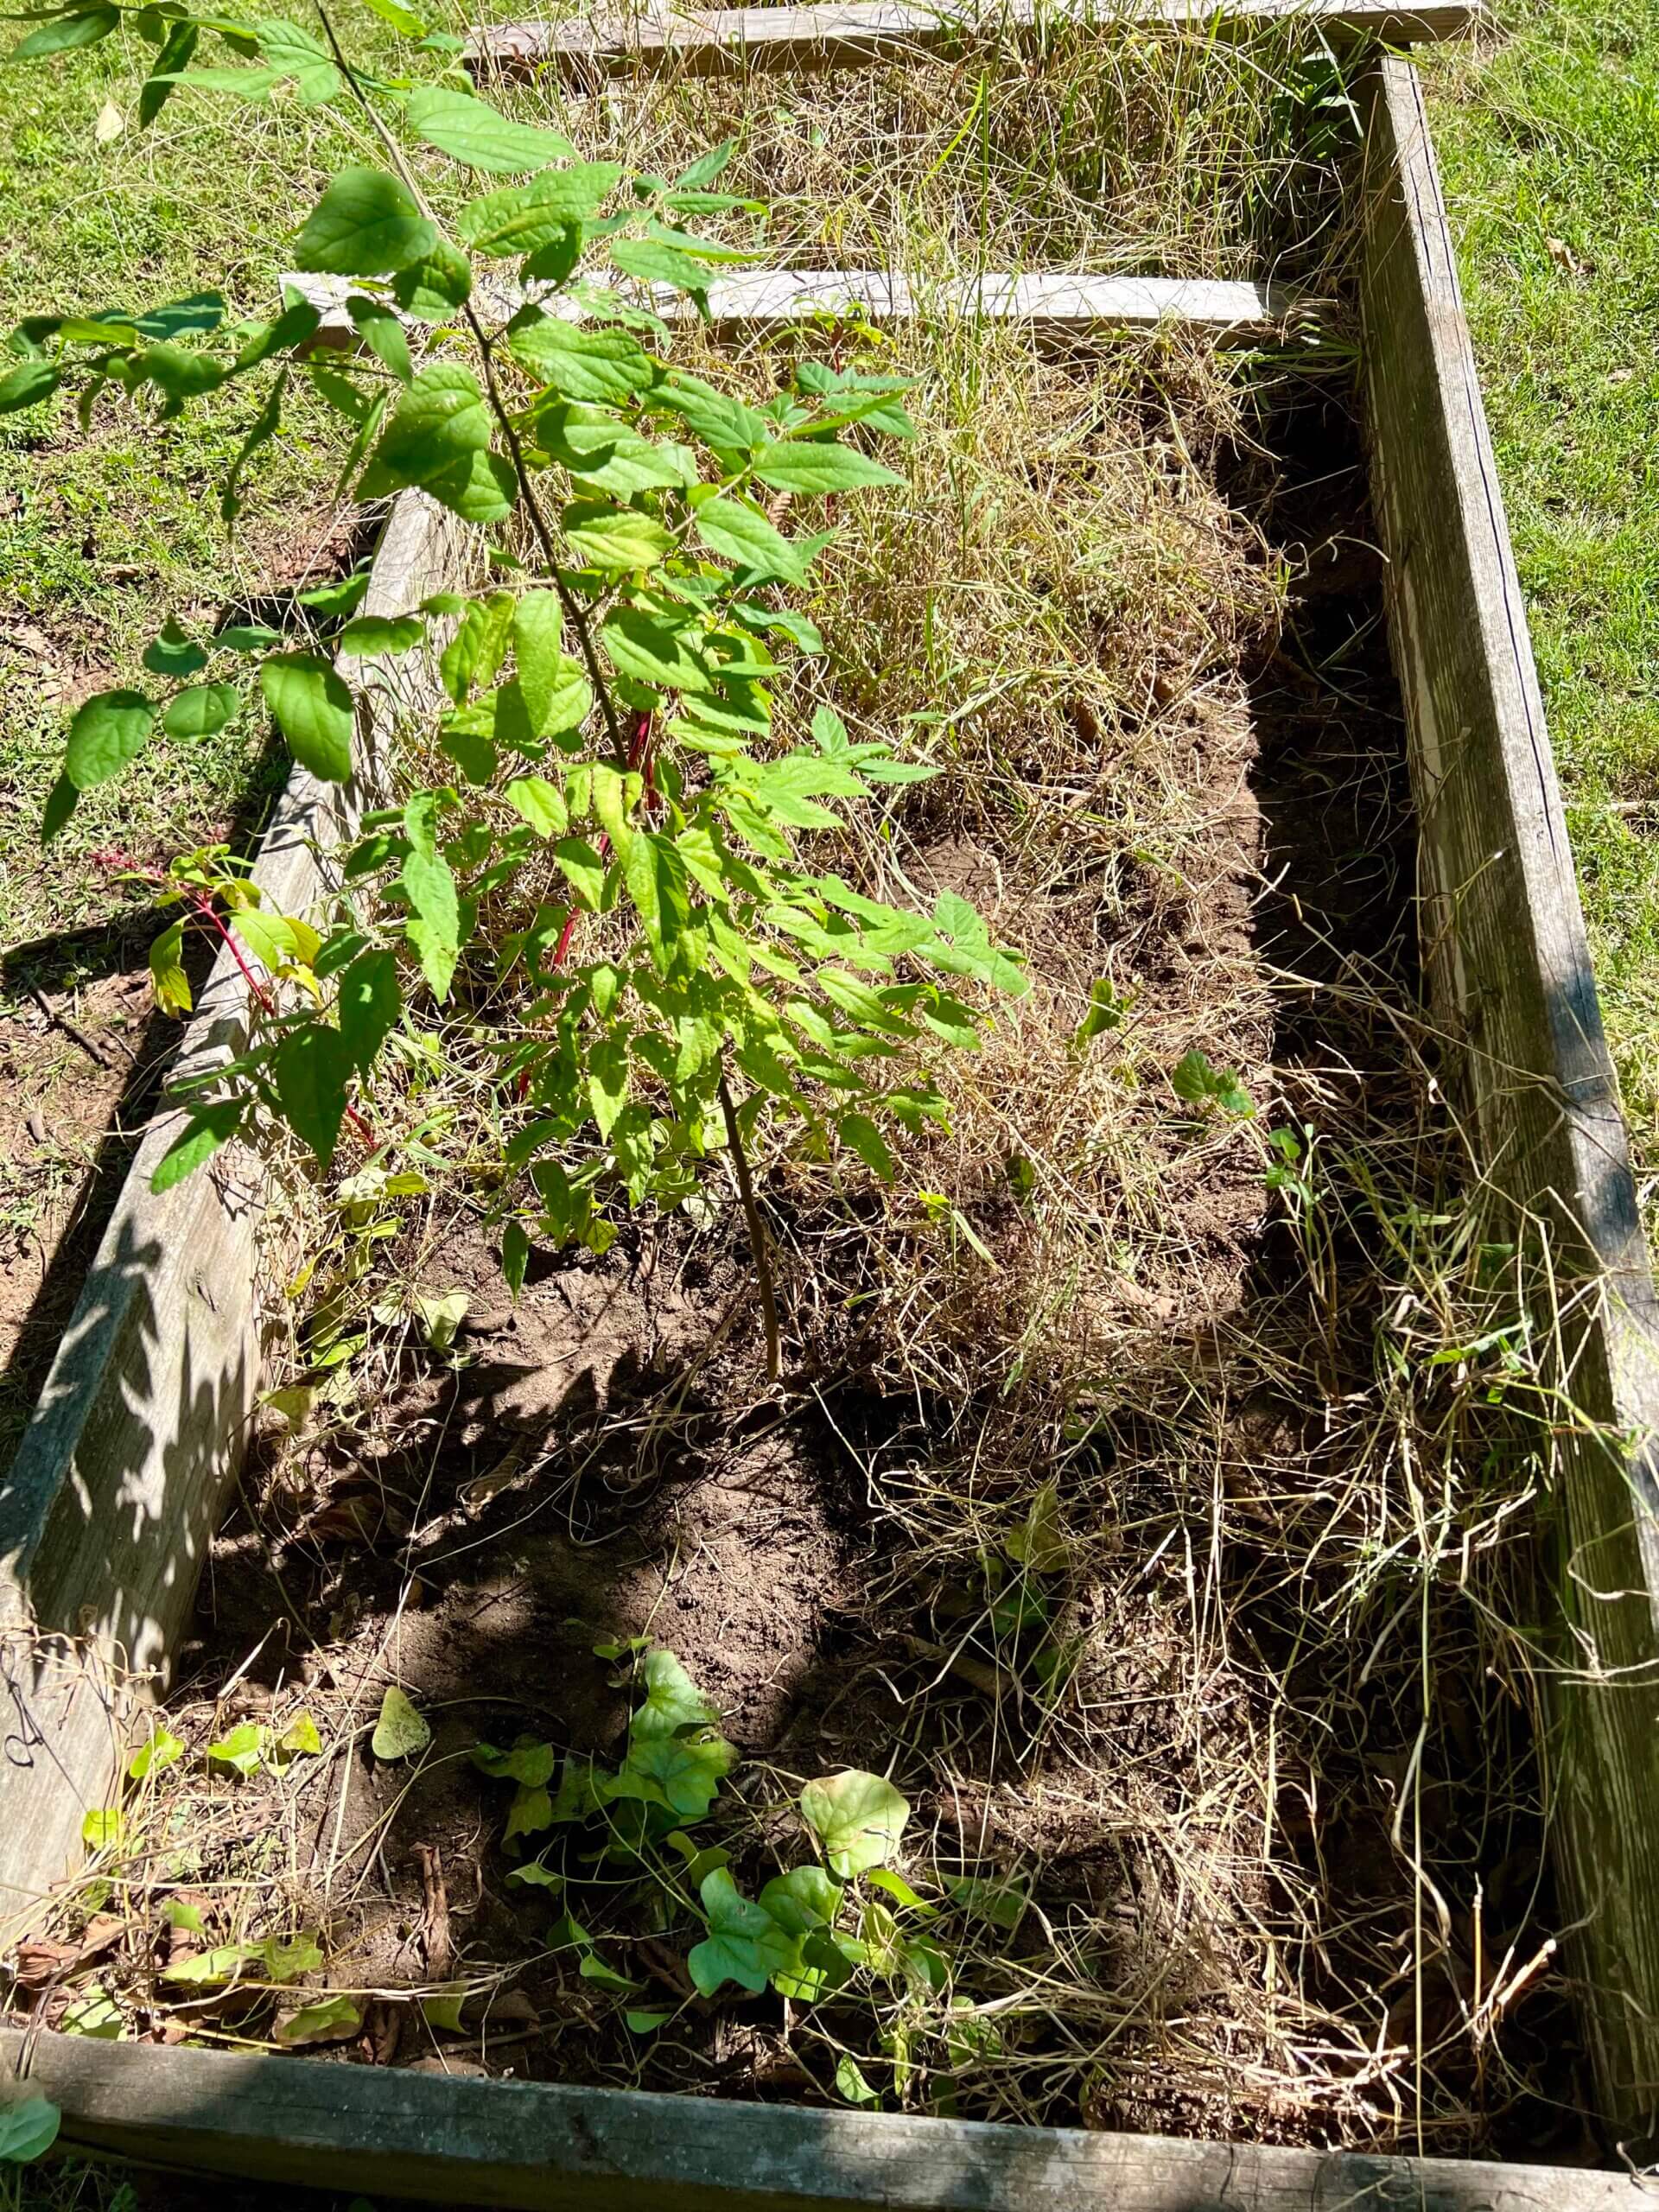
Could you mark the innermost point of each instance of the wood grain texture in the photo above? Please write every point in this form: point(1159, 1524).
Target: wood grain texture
point(1511, 967)
point(446, 2140)
point(839, 34)
point(1049, 302)
point(106, 1512)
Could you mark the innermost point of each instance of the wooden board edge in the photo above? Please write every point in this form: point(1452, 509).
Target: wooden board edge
point(449, 2139)
point(105, 1513)
point(1509, 962)
point(1051, 302)
point(860, 32)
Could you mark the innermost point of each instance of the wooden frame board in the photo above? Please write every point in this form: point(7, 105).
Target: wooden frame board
point(1510, 965)
point(444, 2139)
point(1050, 303)
point(106, 1512)
point(839, 34)
point(1508, 952)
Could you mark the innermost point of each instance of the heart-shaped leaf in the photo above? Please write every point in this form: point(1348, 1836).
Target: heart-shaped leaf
point(400, 1731)
point(858, 1818)
point(744, 1944)
point(331, 2020)
point(28, 2131)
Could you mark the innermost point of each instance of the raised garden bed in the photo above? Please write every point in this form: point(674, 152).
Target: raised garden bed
point(1077, 1509)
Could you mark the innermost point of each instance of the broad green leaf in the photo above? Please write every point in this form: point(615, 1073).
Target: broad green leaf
point(525, 216)
point(970, 951)
point(243, 1748)
point(641, 2022)
point(531, 1811)
point(672, 1700)
point(106, 733)
point(427, 883)
point(174, 57)
point(867, 1140)
point(744, 1944)
point(381, 633)
point(655, 651)
point(545, 677)
point(67, 33)
point(311, 1068)
point(804, 1899)
point(582, 870)
point(615, 537)
point(537, 802)
point(515, 1256)
point(300, 1738)
point(366, 224)
point(159, 1750)
point(207, 1129)
point(368, 1006)
point(737, 532)
point(814, 465)
point(443, 2009)
point(201, 711)
point(683, 1772)
point(858, 1818)
point(725, 424)
point(654, 872)
point(383, 333)
point(439, 424)
point(851, 2083)
point(93, 2013)
point(60, 802)
point(608, 1078)
point(433, 287)
point(167, 975)
point(605, 453)
point(594, 1968)
point(400, 1731)
point(529, 1763)
point(585, 365)
point(30, 2127)
point(482, 489)
point(173, 653)
point(475, 653)
point(286, 1960)
point(652, 263)
point(297, 57)
point(331, 2020)
point(104, 1828)
point(314, 711)
point(471, 131)
point(26, 385)
point(206, 1969)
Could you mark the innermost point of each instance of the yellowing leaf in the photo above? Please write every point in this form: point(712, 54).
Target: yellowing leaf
point(400, 1731)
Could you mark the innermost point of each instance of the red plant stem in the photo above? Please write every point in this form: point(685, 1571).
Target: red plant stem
point(204, 906)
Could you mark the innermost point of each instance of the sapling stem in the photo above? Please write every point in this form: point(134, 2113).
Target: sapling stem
point(574, 612)
point(757, 1231)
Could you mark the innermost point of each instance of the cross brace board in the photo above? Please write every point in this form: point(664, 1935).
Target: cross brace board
point(1051, 302)
point(837, 34)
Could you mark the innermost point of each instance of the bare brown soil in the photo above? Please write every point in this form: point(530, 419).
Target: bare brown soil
point(1203, 1811)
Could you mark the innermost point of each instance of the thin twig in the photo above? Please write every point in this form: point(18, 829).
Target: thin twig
point(757, 1231)
point(61, 1021)
point(573, 611)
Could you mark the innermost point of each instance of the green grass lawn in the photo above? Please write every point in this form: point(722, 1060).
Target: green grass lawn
point(1550, 151)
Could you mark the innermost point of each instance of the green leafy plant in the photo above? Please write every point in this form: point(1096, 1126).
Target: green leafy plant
point(812, 1931)
point(29, 2128)
point(619, 834)
point(1197, 1081)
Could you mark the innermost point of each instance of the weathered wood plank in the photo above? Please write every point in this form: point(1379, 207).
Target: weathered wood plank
point(1510, 964)
point(446, 2140)
point(106, 1512)
point(1049, 302)
point(839, 34)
